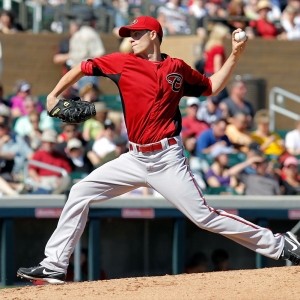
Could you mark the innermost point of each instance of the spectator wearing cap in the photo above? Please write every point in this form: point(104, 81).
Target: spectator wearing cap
point(238, 134)
point(22, 90)
point(191, 126)
point(216, 134)
point(209, 110)
point(69, 131)
point(219, 174)
point(173, 18)
point(290, 178)
point(45, 180)
point(94, 127)
point(24, 126)
point(259, 182)
point(85, 43)
point(105, 144)
point(270, 142)
point(236, 102)
point(262, 26)
point(292, 140)
point(78, 157)
point(14, 151)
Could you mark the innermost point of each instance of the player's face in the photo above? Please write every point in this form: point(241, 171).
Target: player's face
point(140, 42)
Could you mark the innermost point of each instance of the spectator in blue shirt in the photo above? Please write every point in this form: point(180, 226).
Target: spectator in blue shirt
point(208, 138)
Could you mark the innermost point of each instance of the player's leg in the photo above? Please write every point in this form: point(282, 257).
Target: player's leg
point(171, 177)
point(112, 179)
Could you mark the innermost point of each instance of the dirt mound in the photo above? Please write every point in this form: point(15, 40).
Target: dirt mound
point(270, 283)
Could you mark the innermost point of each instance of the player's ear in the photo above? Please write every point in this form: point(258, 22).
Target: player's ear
point(153, 35)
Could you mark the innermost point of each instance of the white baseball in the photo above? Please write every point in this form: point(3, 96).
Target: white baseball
point(240, 36)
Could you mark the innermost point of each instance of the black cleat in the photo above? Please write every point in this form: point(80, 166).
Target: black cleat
point(291, 249)
point(43, 274)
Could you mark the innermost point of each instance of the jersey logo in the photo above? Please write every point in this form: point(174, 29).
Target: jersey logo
point(175, 80)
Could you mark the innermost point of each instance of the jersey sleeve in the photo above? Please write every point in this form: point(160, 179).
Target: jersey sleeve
point(102, 66)
point(195, 84)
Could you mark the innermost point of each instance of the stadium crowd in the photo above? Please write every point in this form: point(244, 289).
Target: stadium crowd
point(228, 144)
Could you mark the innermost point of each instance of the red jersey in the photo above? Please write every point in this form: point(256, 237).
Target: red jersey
point(210, 56)
point(150, 92)
point(54, 159)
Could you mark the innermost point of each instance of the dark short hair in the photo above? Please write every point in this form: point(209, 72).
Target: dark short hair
point(219, 255)
point(199, 258)
point(219, 120)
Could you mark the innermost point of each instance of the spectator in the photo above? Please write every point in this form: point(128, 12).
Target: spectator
point(197, 264)
point(214, 52)
point(22, 90)
point(190, 124)
point(292, 140)
point(235, 9)
point(24, 126)
point(7, 23)
point(292, 29)
point(105, 144)
point(3, 101)
point(236, 101)
point(11, 189)
point(85, 43)
point(215, 9)
point(77, 157)
point(208, 138)
point(270, 142)
point(34, 137)
point(62, 55)
point(14, 151)
point(70, 131)
point(120, 143)
point(197, 9)
point(47, 181)
point(90, 92)
point(219, 174)
point(290, 176)
point(238, 134)
point(209, 110)
point(197, 165)
point(214, 49)
point(250, 9)
point(173, 18)
point(220, 260)
point(94, 127)
point(262, 27)
point(260, 182)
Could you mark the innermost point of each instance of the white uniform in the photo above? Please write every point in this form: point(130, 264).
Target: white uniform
point(167, 172)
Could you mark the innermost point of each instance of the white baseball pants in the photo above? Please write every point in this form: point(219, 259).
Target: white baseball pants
point(167, 172)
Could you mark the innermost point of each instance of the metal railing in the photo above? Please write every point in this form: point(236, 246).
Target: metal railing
point(276, 102)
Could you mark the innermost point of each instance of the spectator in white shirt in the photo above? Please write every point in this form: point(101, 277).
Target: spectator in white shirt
point(292, 29)
point(292, 140)
point(105, 144)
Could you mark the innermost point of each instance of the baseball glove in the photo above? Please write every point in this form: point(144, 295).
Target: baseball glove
point(73, 110)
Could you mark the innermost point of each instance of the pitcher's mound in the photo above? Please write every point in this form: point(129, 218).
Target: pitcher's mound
point(270, 283)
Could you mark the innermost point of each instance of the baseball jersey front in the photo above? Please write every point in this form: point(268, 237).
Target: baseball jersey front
point(151, 111)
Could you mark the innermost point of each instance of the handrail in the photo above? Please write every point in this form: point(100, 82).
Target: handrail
point(42, 165)
point(273, 107)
